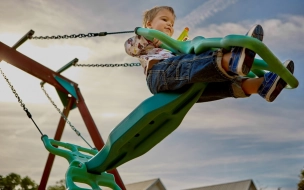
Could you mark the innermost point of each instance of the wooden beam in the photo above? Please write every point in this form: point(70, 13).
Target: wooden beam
point(30, 66)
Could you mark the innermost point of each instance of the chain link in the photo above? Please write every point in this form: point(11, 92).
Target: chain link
point(64, 36)
point(14, 91)
point(76, 35)
point(108, 65)
point(20, 101)
point(63, 116)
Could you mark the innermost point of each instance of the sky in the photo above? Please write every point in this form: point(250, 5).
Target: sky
point(218, 142)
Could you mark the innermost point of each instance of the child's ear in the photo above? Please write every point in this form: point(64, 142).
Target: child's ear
point(148, 24)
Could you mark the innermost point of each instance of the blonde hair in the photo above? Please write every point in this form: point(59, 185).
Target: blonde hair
point(149, 15)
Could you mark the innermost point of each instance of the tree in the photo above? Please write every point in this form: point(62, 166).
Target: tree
point(13, 180)
point(10, 181)
point(60, 185)
point(28, 184)
point(301, 183)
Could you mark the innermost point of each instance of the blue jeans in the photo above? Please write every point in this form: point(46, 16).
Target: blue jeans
point(176, 72)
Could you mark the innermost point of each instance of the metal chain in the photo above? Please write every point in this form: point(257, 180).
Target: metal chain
point(14, 91)
point(29, 114)
point(77, 35)
point(108, 65)
point(64, 36)
point(20, 101)
point(64, 117)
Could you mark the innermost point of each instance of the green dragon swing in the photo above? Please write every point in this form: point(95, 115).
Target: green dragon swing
point(156, 117)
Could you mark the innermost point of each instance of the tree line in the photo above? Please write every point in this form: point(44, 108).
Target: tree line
point(14, 181)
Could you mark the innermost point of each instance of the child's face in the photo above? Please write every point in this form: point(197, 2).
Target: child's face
point(163, 21)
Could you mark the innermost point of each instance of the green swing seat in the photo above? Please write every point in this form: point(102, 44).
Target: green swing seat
point(153, 120)
point(156, 117)
point(141, 130)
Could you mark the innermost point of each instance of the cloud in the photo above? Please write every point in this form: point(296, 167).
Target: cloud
point(205, 11)
point(275, 30)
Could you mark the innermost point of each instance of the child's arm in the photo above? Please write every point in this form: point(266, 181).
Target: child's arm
point(135, 46)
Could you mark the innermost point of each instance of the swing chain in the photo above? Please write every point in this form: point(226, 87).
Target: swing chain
point(63, 116)
point(29, 115)
point(14, 91)
point(107, 65)
point(76, 35)
point(64, 36)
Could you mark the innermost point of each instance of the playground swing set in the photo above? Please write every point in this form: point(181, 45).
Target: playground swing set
point(147, 125)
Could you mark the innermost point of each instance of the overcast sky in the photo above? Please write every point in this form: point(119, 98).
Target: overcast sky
point(217, 142)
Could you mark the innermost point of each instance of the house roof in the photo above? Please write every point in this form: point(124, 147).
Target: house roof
point(153, 184)
point(141, 185)
point(145, 185)
point(238, 185)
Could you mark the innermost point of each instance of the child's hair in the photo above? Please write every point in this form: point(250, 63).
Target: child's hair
point(149, 15)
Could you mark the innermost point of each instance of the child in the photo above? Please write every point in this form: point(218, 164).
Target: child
point(224, 72)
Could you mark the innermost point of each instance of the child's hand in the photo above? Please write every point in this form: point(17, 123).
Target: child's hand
point(156, 42)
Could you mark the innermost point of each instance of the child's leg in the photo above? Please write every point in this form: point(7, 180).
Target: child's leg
point(220, 90)
point(269, 86)
point(176, 72)
point(240, 60)
point(273, 84)
point(252, 85)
